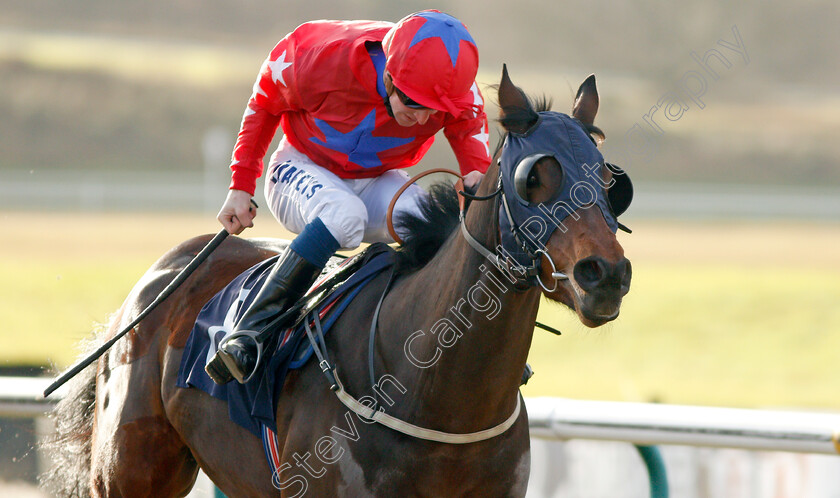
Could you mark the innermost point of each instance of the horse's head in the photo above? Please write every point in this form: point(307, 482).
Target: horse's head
point(560, 201)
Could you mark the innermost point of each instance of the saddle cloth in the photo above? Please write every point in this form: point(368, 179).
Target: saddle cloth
point(253, 405)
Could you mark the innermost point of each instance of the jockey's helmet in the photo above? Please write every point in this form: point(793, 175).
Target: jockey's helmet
point(433, 60)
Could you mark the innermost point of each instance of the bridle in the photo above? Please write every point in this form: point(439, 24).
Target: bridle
point(520, 251)
point(524, 275)
point(527, 274)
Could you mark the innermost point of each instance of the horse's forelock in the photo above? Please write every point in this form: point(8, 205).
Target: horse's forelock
point(523, 117)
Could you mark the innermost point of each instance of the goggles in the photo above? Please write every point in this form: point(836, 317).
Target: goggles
point(407, 101)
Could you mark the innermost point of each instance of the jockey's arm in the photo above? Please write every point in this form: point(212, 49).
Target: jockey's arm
point(469, 140)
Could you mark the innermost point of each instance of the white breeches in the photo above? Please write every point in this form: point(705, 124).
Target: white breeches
point(353, 210)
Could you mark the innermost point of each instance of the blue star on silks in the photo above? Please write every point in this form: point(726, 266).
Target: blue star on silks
point(448, 29)
point(359, 143)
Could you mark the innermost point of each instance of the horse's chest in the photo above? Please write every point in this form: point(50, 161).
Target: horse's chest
point(355, 468)
point(340, 454)
point(425, 470)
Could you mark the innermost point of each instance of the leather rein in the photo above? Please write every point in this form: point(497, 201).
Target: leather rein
point(374, 412)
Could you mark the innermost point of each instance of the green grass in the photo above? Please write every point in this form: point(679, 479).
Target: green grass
point(62, 274)
point(710, 335)
point(729, 314)
point(49, 307)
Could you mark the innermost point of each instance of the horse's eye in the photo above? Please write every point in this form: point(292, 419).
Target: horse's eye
point(533, 181)
point(549, 181)
point(525, 176)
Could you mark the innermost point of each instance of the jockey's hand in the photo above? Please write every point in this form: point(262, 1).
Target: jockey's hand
point(472, 179)
point(238, 212)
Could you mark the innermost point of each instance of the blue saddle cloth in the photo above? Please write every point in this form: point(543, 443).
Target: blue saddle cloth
point(253, 405)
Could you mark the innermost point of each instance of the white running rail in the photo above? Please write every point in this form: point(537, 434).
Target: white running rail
point(560, 418)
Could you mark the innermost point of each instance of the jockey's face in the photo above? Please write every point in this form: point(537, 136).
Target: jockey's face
point(408, 116)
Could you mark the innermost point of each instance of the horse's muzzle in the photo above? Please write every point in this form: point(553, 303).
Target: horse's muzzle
point(603, 284)
point(594, 273)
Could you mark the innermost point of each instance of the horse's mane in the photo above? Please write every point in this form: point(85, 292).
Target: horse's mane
point(426, 232)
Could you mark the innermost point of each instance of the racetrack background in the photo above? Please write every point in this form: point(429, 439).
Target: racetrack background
point(733, 313)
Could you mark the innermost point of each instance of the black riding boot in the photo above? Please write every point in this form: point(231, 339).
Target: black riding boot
point(289, 279)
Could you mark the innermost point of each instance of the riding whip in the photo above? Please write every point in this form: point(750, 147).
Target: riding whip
point(176, 282)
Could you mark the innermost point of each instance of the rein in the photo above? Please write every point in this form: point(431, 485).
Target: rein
point(377, 414)
point(526, 273)
point(398, 425)
point(390, 213)
point(530, 272)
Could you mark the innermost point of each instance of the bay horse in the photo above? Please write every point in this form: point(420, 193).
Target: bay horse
point(453, 337)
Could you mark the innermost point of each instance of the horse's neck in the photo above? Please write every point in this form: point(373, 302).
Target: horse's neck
point(468, 333)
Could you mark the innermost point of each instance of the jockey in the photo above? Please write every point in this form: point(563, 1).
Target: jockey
point(357, 101)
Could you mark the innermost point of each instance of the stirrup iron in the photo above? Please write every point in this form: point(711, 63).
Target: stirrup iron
point(229, 362)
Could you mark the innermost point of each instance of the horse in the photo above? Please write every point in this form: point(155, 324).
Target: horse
point(451, 344)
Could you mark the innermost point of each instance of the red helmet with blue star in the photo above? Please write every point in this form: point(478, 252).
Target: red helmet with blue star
point(433, 60)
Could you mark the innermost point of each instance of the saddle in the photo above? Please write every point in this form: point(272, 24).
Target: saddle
point(253, 405)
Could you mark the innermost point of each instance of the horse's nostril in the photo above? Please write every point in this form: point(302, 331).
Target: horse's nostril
point(594, 271)
point(590, 272)
point(626, 276)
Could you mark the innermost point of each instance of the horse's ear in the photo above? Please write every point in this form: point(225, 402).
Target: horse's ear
point(512, 103)
point(586, 101)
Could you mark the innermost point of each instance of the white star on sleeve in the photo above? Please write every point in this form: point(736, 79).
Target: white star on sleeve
point(277, 67)
point(477, 100)
point(257, 87)
point(484, 137)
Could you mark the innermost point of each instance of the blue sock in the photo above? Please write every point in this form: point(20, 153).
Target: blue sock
point(315, 243)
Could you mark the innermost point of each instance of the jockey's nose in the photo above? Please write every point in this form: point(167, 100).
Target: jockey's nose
point(422, 115)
